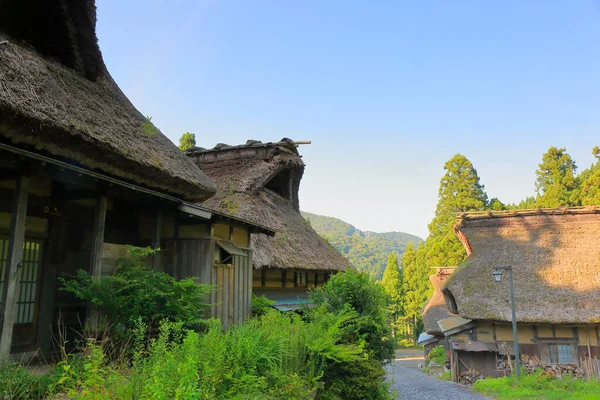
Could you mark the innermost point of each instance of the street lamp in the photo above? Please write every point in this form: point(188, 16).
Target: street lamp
point(497, 275)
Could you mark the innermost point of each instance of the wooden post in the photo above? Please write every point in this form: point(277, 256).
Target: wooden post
point(8, 301)
point(156, 240)
point(96, 256)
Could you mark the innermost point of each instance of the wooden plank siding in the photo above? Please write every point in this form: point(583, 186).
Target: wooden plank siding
point(231, 301)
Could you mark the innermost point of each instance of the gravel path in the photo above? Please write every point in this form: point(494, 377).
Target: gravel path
point(411, 384)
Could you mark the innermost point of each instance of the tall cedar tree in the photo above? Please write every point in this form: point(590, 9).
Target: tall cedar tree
point(460, 191)
point(556, 184)
point(187, 141)
point(392, 283)
point(590, 182)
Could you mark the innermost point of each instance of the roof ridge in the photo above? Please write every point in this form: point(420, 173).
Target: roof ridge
point(527, 212)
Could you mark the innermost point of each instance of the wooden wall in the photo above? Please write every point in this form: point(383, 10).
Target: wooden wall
point(286, 278)
point(231, 301)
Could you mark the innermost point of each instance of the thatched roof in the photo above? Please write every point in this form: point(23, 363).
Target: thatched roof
point(58, 99)
point(555, 256)
point(259, 182)
point(436, 309)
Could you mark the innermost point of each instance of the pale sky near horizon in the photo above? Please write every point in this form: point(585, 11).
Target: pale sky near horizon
point(386, 90)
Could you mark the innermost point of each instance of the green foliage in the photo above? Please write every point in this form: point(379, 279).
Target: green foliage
point(496, 205)
point(187, 141)
point(392, 283)
point(445, 376)
point(261, 305)
point(356, 291)
point(460, 191)
point(555, 183)
point(538, 386)
point(352, 307)
point(273, 357)
point(136, 292)
point(148, 127)
point(437, 355)
point(17, 382)
point(367, 251)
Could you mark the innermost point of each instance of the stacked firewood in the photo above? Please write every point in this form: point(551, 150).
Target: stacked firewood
point(532, 364)
point(469, 377)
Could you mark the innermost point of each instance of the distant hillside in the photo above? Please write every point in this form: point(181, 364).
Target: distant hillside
point(368, 251)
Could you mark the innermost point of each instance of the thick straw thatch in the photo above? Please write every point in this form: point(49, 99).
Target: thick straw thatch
point(555, 256)
point(259, 182)
point(436, 309)
point(57, 97)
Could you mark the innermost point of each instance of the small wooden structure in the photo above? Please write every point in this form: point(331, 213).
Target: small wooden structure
point(555, 257)
point(259, 182)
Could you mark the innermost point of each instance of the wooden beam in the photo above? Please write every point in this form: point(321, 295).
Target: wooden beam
point(156, 240)
point(96, 256)
point(8, 301)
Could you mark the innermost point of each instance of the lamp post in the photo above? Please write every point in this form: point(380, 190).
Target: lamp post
point(497, 274)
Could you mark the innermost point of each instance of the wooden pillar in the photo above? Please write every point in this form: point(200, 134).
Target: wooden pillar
point(53, 255)
point(96, 256)
point(8, 301)
point(156, 240)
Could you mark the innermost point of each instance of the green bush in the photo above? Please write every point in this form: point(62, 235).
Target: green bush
point(538, 386)
point(358, 306)
point(437, 355)
point(136, 292)
point(357, 291)
point(261, 305)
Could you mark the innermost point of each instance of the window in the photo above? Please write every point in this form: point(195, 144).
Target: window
point(301, 278)
point(561, 353)
point(28, 278)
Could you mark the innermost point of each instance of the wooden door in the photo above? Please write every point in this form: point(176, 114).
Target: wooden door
point(24, 332)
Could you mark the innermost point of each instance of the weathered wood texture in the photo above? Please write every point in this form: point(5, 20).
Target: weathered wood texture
point(96, 255)
point(231, 301)
point(15, 256)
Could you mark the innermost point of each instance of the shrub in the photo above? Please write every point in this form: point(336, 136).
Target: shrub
point(354, 307)
point(368, 298)
point(437, 355)
point(261, 305)
point(136, 292)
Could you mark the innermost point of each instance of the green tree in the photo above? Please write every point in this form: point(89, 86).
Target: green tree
point(415, 285)
point(590, 182)
point(392, 283)
point(187, 141)
point(496, 205)
point(460, 191)
point(555, 183)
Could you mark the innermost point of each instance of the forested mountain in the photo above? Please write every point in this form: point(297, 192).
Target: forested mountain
point(367, 251)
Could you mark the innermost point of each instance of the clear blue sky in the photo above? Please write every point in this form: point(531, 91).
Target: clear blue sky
point(386, 90)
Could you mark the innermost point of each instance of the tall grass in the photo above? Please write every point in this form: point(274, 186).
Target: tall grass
point(274, 357)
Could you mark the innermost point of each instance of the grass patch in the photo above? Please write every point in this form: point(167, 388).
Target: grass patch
point(402, 346)
point(446, 376)
point(539, 387)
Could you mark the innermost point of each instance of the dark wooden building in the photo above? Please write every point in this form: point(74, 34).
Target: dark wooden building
point(83, 173)
point(259, 182)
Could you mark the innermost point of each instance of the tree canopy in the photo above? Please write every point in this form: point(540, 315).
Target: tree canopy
point(392, 283)
point(187, 141)
point(555, 182)
point(460, 190)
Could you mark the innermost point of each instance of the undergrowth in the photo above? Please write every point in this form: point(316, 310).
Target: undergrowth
point(538, 386)
point(335, 351)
